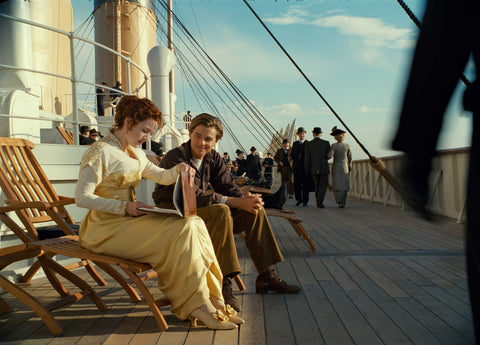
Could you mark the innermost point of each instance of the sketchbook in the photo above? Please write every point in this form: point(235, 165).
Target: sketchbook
point(184, 199)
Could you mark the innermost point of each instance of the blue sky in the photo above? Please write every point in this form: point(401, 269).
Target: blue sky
point(356, 53)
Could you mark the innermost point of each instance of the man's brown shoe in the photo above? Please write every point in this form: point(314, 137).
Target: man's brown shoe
point(269, 281)
point(228, 295)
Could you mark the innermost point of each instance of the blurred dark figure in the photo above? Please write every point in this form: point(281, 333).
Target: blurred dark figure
point(449, 35)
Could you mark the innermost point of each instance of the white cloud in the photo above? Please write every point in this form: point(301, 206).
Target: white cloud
point(293, 16)
point(371, 31)
point(366, 109)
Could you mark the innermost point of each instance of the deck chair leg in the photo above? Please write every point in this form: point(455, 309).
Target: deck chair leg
point(4, 306)
point(93, 272)
point(31, 272)
point(303, 233)
point(162, 324)
point(49, 265)
point(239, 281)
point(120, 280)
point(33, 304)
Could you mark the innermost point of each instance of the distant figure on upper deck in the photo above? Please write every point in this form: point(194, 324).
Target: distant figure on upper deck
point(100, 99)
point(187, 118)
point(114, 95)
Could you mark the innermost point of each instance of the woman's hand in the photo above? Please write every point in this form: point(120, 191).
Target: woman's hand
point(132, 208)
point(190, 171)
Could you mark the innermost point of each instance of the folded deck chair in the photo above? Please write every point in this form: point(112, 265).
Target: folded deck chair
point(66, 134)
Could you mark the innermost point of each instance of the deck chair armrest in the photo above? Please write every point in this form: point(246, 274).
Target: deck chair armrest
point(14, 205)
point(63, 201)
point(16, 253)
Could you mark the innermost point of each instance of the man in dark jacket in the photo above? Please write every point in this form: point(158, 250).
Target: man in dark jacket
point(317, 154)
point(300, 179)
point(282, 157)
point(83, 138)
point(254, 169)
point(226, 210)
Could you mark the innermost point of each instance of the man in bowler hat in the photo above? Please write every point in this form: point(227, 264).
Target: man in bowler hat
point(317, 154)
point(254, 168)
point(300, 179)
point(282, 157)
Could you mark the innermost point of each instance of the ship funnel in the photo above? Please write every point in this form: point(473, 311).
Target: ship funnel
point(16, 46)
point(161, 61)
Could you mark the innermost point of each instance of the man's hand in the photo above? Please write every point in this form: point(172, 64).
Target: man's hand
point(250, 202)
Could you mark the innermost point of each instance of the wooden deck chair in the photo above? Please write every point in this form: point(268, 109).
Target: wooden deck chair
point(66, 134)
point(68, 246)
point(31, 196)
point(13, 254)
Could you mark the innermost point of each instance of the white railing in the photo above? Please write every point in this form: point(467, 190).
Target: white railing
point(448, 181)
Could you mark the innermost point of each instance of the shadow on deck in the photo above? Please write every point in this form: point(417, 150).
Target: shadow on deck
point(380, 275)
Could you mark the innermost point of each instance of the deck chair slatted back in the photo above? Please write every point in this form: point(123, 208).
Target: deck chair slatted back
point(23, 180)
point(66, 134)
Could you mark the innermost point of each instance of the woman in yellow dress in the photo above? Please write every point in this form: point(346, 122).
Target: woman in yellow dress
point(178, 249)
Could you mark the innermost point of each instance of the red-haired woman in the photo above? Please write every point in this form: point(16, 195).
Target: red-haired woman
point(178, 249)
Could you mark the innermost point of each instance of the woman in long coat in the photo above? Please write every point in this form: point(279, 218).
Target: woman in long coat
point(342, 160)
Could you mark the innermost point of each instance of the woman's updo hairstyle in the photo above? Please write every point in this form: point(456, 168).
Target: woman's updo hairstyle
point(138, 109)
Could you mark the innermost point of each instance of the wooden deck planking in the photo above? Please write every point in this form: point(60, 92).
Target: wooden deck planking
point(379, 276)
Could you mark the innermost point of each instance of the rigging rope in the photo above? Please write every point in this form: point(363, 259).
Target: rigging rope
point(373, 159)
point(259, 119)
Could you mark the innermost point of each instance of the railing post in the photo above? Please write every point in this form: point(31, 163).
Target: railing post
point(387, 196)
point(146, 88)
point(354, 181)
point(363, 185)
point(74, 91)
point(462, 211)
point(127, 70)
point(434, 189)
point(375, 187)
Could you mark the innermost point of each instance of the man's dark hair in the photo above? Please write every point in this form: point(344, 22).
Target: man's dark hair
point(207, 120)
